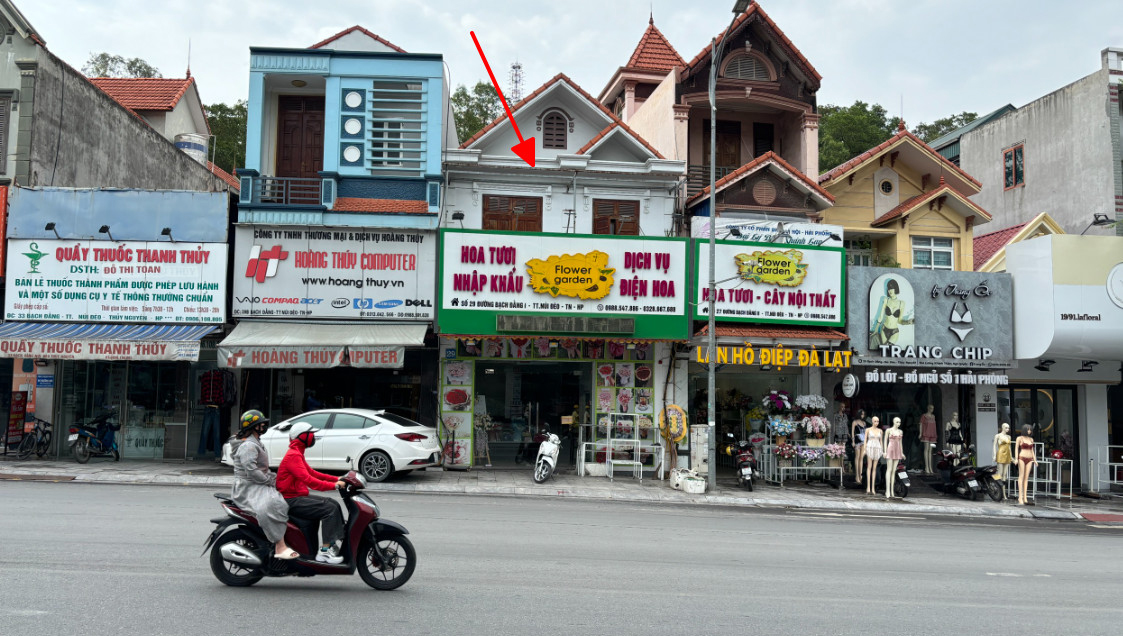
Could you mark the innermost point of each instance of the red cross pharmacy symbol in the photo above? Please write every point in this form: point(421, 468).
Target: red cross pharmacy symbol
point(264, 264)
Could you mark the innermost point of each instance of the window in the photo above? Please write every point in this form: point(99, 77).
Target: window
point(886, 187)
point(747, 67)
point(350, 421)
point(1014, 167)
point(523, 214)
point(553, 131)
point(932, 253)
point(858, 253)
point(5, 116)
point(616, 217)
point(317, 420)
point(396, 137)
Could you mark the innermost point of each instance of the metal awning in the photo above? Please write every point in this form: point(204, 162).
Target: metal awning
point(277, 345)
point(97, 341)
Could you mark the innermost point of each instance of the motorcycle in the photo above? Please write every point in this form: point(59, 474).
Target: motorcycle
point(988, 478)
point(547, 459)
point(746, 464)
point(95, 437)
point(957, 479)
point(901, 485)
point(376, 547)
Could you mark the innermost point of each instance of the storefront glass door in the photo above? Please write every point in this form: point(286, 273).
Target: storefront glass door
point(1051, 411)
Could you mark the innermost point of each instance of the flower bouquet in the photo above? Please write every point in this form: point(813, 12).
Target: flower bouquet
point(808, 455)
point(811, 404)
point(785, 451)
point(777, 402)
point(781, 428)
point(835, 453)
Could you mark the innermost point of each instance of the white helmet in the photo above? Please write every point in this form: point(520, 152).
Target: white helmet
point(300, 428)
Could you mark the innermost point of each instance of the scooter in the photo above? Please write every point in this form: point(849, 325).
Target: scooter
point(987, 476)
point(376, 547)
point(95, 438)
point(746, 464)
point(961, 479)
point(901, 485)
point(547, 459)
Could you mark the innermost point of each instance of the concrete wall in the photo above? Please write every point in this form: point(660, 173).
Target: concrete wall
point(654, 120)
point(1069, 166)
point(18, 49)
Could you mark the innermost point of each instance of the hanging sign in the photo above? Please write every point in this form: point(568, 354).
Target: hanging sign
point(779, 356)
point(947, 377)
point(17, 412)
point(313, 357)
point(80, 349)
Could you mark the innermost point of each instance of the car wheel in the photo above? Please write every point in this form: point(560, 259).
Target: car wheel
point(376, 466)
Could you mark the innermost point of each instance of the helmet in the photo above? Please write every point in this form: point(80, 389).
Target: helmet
point(304, 432)
point(252, 420)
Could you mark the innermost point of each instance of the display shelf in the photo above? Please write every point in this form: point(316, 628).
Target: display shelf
point(776, 473)
point(1107, 473)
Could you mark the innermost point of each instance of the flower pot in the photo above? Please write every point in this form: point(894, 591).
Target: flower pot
point(784, 463)
point(815, 443)
point(781, 439)
point(834, 462)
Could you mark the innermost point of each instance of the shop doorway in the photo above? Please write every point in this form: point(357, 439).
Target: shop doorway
point(523, 399)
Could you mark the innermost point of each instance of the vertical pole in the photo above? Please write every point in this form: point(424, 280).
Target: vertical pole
point(711, 336)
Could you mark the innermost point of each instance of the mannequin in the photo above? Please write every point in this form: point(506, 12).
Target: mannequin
point(858, 439)
point(873, 454)
point(954, 436)
point(928, 436)
point(893, 454)
point(1003, 456)
point(1027, 461)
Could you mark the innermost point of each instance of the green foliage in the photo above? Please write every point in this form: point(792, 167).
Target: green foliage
point(228, 125)
point(941, 127)
point(106, 65)
point(475, 109)
point(847, 131)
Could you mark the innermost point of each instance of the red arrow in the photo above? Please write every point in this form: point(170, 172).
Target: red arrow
point(525, 148)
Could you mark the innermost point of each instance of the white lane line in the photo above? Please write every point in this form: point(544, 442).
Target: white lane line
point(859, 516)
point(1011, 574)
point(1092, 525)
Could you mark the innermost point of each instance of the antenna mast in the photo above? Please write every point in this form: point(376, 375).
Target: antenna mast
point(515, 82)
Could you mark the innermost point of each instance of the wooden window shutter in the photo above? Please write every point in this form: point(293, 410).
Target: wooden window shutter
point(5, 116)
point(616, 217)
point(553, 131)
point(523, 214)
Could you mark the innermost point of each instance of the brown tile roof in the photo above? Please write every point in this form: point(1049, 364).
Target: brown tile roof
point(225, 176)
point(609, 128)
point(872, 153)
point(393, 206)
point(144, 93)
point(911, 204)
point(755, 10)
point(360, 29)
point(987, 245)
point(778, 333)
point(753, 165)
point(654, 52)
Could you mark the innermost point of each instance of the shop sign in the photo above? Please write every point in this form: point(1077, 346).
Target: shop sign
point(935, 377)
point(776, 284)
point(299, 272)
point(487, 274)
point(123, 281)
point(776, 232)
point(17, 412)
point(312, 357)
point(850, 385)
point(45, 382)
point(930, 317)
point(779, 356)
point(78, 349)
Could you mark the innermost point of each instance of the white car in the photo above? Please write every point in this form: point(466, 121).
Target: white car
point(375, 443)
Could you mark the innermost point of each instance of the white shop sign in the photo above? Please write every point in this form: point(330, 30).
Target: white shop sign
point(124, 281)
point(296, 272)
point(312, 357)
point(78, 349)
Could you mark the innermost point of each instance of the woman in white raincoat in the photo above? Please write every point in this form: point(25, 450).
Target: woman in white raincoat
point(255, 488)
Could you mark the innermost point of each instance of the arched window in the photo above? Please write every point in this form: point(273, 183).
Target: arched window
point(747, 67)
point(553, 131)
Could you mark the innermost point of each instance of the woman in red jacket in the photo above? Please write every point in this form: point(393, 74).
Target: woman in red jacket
point(295, 477)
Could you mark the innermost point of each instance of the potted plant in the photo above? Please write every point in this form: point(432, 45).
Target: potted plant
point(835, 454)
point(816, 427)
point(785, 453)
point(781, 428)
point(755, 418)
point(778, 406)
point(811, 404)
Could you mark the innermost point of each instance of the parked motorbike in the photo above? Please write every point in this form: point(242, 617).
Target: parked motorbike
point(376, 547)
point(961, 479)
point(987, 477)
point(746, 463)
point(95, 437)
point(900, 486)
point(547, 459)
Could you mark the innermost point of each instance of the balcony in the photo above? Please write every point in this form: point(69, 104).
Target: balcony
point(294, 192)
point(698, 177)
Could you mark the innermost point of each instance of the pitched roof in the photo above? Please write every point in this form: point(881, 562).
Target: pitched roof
point(986, 245)
point(144, 93)
point(654, 52)
point(394, 206)
point(902, 136)
point(768, 157)
point(778, 333)
point(755, 10)
point(964, 129)
point(225, 176)
point(622, 126)
point(911, 204)
point(323, 43)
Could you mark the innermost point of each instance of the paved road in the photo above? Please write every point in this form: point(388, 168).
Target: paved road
point(100, 559)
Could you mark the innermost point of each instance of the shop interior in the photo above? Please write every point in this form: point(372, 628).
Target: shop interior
point(1051, 411)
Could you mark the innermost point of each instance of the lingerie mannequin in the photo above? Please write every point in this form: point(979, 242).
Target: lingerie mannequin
point(893, 454)
point(857, 438)
point(1027, 460)
point(953, 437)
point(1003, 456)
point(873, 454)
point(928, 436)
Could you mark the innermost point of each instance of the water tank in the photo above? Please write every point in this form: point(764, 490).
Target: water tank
point(195, 145)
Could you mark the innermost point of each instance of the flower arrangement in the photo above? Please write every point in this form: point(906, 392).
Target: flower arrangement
point(781, 426)
point(835, 451)
point(756, 413)
point(785, 451)
point(811, 404)
point(777, 402)
point(816, 426)
point(808, 455)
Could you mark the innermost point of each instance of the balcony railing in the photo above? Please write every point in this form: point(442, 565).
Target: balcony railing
point(287, 191)
point(698, 177)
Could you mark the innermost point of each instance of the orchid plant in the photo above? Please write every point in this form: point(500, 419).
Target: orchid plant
point(811, 404)
point(816, 426)
point(835, 451)
point(777, 402)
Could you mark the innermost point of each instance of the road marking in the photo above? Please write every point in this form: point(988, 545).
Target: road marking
point(1116, 527)
point(859, 516)
point(1011, 574)
point(23, 612)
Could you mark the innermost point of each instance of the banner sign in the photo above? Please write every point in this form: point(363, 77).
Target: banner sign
point(487, 274)
point(16, 414)
point(778, 357)
point(946, 377)
point(78, 349)
point(776, 284)
point(312, 357)
point(297, 272)
point(775, 232)
point(935, 318)
point(123, 281)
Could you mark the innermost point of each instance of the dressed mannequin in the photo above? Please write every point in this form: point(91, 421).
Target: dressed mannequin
point(873, 454)
point(1003, 456)
point(928, 436)
point(893, 454)
point(953, 436)
point(858, 439)
point(1027, 461)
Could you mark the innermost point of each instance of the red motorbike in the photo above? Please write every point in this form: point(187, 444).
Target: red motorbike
point(376, 547)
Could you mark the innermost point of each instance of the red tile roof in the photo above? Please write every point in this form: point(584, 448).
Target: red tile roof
point(902, 134)
point(394, 206)
point(755, 10)
point(225, 176)
point(144, 93)
point(360, 29)
point(920, 199)
point(777, 333)
point(758, 162)
point(654, 52)
point(987, 245)
point(609, 128)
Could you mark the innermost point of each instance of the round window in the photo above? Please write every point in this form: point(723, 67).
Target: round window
point(352, 126)
point(352, 154)
point(353, 99)
point(887, 186)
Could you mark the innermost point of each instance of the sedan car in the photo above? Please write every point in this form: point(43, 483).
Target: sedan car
point(375, 443)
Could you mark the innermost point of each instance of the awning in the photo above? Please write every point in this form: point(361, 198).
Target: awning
point(88, 341)
point(277, 345)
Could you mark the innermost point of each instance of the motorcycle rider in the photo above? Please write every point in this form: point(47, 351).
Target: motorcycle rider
point(295, 477)
point(254, 485)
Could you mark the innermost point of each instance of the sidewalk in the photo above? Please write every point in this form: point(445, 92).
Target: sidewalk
point(922, 500)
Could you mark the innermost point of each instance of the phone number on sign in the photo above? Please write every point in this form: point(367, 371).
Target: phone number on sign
point(634, 308)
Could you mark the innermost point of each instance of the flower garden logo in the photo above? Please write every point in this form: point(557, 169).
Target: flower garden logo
point(785, 269)
point(584, 276)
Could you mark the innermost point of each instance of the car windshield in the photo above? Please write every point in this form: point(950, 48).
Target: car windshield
point(398, 419)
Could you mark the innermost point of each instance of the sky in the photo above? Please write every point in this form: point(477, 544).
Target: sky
point(922, 59)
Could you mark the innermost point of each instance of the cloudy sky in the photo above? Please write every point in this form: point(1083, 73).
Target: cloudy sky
point(937, 57)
